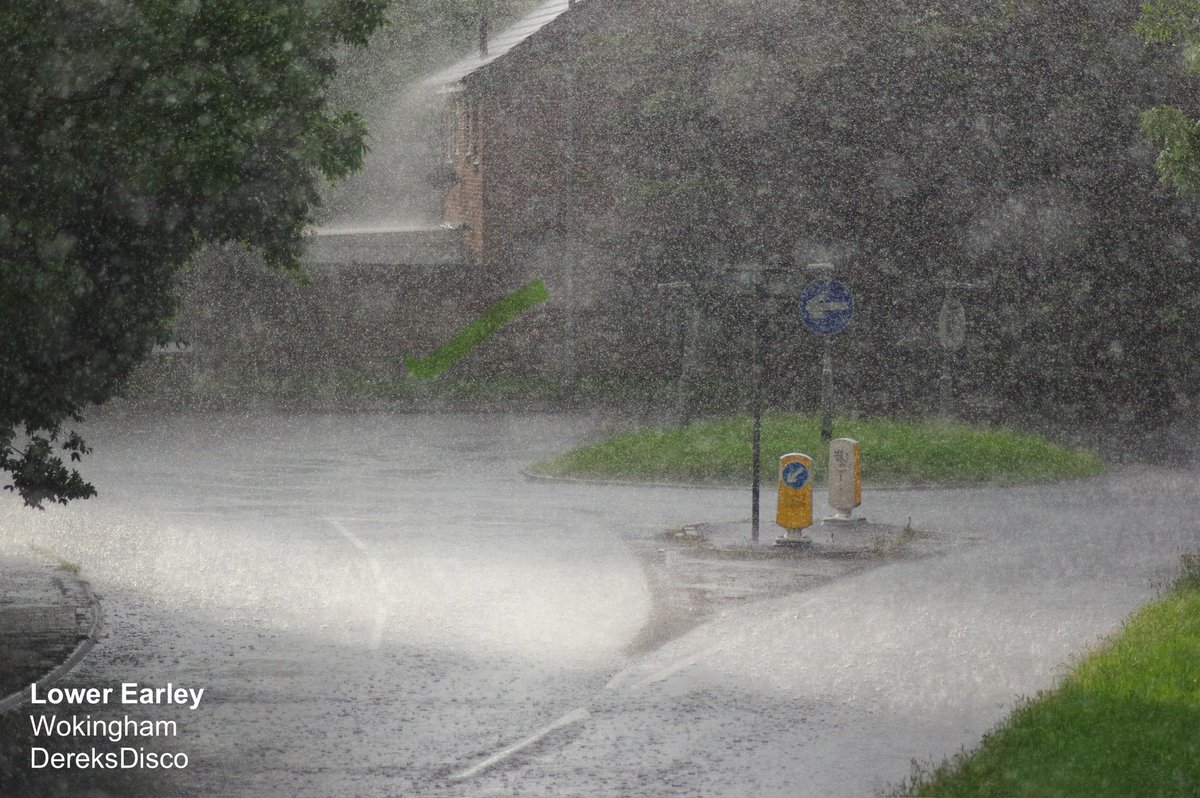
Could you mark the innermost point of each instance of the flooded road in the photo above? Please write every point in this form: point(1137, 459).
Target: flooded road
point(382, 604)
point(371, 602)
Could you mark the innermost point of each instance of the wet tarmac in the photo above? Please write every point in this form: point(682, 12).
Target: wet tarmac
point(381, 604)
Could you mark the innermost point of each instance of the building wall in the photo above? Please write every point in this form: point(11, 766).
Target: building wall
point(524, 166)
point(525, 187)
point(361, 310)
point(464, 153)
point(507, 149)
point(528, 112)
point(528, 133)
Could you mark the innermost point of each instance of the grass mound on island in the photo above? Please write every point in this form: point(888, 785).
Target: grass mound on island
point(1125, 722)
point(892, 452)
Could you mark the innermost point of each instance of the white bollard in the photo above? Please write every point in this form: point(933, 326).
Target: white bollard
point(845, 480)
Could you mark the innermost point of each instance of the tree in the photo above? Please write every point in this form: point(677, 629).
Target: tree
point(919, 143)
point(1175, 131)
point(134, 135)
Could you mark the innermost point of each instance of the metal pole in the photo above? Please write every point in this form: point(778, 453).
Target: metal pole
point(945, 387)
point(688, 361)
point(683, 311)
point(567, 211)
point(756, 438)
point(947, 338)
point(756, 466)
point(827, 392)
point(753, 276)
point(952, 334)
point(824, 271)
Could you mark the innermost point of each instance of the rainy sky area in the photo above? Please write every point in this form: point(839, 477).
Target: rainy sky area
point(298, 299)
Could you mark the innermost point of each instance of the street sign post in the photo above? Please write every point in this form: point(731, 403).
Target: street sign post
point(756, 277)
point(952, 334)
point(826, 307)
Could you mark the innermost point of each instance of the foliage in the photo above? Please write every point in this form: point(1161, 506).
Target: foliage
point(1174, 22)
point(134, 134)
point(1125, 722)
point(892, 452)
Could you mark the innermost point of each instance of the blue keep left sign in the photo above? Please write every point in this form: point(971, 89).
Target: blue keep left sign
point(795, 475)
point(826, 306)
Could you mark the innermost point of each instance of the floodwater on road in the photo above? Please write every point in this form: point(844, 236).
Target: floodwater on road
point(371, 601)
point(382, 604)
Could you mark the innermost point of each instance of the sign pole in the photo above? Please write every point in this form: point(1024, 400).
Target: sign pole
point(756, 480)
point(753, 276)
point(683, 309)
point(760, 323)
point(952, 326)
point(826, 307)
point(952, 334)
point(688, 361)
point(827, 392)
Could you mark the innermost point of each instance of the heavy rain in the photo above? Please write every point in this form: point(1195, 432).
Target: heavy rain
point(598, 398)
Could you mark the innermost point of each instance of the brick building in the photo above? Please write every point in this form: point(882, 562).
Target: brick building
point(511, 131)
point(522, 157)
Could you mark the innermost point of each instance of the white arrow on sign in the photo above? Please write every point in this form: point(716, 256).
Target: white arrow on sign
point(820, 305)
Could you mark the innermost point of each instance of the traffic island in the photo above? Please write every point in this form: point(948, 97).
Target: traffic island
point(828, 539)
point(697, 570)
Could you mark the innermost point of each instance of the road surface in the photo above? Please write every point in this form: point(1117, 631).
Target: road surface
point(380, 604)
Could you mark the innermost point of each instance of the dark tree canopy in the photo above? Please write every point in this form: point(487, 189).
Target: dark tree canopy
point(133, 135)
point(921, 143)
point(1175, 130)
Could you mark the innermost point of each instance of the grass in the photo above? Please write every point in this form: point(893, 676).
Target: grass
point(1125, 723)
point(61, 564)
point(892, 452)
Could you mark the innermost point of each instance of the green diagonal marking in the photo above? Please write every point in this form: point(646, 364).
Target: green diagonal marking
point(477, 331)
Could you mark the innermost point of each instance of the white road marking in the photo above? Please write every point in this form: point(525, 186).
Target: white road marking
point(381, 586)
point(582, 713)
point(621, 679)
point(574, 716)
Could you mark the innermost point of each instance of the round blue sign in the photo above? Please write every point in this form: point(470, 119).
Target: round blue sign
point(826, 306)
point(795, 474)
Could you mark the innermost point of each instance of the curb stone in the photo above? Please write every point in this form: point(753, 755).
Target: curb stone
point(47, 614)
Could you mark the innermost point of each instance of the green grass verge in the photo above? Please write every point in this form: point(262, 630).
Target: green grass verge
point(892, 452)
point(1125, 723)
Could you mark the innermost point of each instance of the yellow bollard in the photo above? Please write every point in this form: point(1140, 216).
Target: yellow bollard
point(794, 510)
